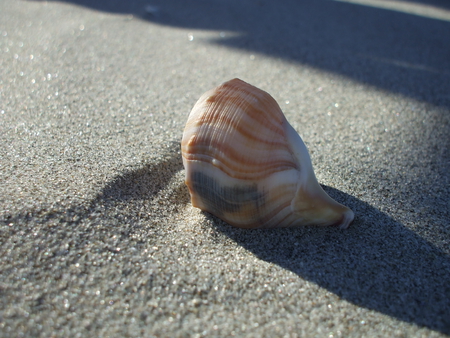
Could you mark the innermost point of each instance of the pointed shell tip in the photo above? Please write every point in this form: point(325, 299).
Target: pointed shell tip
point(347, 219)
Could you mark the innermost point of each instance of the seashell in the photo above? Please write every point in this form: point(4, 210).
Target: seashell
point(246, 164)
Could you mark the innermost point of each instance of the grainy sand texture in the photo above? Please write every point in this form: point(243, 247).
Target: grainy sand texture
point(98, 237)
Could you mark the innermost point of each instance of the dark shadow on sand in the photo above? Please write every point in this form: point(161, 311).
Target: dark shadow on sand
point(132, 187)
point(377, 263)
point(144, 183)
point(392, 50)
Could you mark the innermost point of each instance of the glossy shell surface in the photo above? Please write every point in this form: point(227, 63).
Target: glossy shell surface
point(245, 163)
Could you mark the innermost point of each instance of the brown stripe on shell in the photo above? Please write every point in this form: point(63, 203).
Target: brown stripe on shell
point(240, 93)
point(240, 156)
point(241, 101)
point(250, 128)
point(244, 163)
point(269, 217)
point(284, 198)
point(241, 172)
point(236, 111)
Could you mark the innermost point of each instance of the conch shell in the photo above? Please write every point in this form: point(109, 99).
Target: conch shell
point(246, 164)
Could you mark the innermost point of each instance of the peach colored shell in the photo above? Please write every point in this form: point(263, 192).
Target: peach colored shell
point(246, 164)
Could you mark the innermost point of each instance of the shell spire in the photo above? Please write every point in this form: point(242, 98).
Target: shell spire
point(246, 164)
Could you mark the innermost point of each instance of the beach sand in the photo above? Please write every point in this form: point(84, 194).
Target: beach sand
point(98, 237)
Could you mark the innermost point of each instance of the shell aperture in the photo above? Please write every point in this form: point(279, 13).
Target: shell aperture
point(246, 164)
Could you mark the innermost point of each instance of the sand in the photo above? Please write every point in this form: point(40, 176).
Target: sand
point(98, 237)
